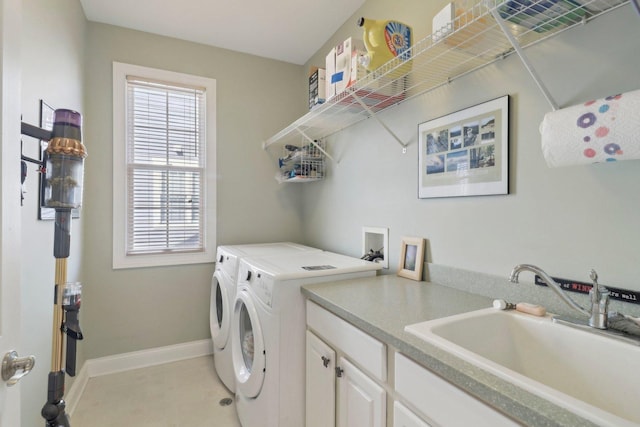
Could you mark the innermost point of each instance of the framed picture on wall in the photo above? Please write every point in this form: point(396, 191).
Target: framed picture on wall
point(465, 153)
point(411, 258)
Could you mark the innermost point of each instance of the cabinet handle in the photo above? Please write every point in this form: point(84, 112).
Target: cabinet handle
point(339, 371)
point(248, 275)
point(325, 361)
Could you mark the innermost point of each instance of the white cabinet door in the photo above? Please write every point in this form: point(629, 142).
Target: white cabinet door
point(361, 401)
point(321, 383)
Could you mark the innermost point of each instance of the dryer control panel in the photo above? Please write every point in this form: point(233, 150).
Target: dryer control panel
point(260, 283)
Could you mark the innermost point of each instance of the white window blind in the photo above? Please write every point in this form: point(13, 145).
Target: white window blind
point(166, 163)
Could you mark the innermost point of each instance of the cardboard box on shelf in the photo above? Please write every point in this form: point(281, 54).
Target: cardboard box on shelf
point(344, 53)
point(317, 87)
point(358, 71)
point(350, 74)
point(330, 70)
point(442, 23)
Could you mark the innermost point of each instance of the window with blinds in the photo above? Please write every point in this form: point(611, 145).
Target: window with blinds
point(166, 163)
point(164, 167)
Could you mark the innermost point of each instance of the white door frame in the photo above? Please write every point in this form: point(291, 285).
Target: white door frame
point(10, 219)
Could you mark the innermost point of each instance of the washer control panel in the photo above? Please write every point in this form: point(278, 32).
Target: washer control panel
point(227, 263)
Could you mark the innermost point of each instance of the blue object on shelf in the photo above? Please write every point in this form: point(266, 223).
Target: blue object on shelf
point(541, 16)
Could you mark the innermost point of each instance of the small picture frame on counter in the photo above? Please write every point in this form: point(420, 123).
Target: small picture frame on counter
point(411, 258)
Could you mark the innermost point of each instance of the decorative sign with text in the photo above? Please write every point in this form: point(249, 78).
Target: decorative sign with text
point(584, 288)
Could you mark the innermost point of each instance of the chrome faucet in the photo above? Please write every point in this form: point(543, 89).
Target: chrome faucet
point(599, 295)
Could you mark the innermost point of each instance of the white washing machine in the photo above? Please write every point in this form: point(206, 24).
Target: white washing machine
point(223, 295)
point(268, 328)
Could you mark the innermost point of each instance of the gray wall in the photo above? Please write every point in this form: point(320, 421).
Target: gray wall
point(52, 70)
point(135, 309)
point(565, 220)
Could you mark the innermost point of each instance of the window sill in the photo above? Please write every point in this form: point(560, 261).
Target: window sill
point(162, 260)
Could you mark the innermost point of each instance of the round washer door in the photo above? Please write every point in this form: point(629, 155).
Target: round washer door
point(247, 345)
point(220, 309)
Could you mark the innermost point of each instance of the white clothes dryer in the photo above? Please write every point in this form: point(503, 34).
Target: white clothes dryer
point(268, 332)
point(223, 294)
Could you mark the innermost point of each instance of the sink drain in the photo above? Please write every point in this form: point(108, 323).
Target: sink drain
point(226, 401)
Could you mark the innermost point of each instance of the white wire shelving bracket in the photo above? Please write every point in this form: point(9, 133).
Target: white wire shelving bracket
point(488, 31)
point(524, 59)
point(315, 144)
point(374, 115)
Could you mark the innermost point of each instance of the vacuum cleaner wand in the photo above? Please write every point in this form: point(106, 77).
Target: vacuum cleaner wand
point(62, 192)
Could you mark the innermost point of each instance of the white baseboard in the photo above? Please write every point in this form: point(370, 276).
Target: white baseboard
point(73, 394)
point(134, 360)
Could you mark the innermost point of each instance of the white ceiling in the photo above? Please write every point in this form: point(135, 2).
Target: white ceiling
point(287, 30)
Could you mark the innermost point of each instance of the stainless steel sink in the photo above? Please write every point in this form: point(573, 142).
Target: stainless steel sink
point(594, 376)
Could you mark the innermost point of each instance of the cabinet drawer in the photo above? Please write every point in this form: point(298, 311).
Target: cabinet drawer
point(403, 417)
point(440, 400)
point(361, 348)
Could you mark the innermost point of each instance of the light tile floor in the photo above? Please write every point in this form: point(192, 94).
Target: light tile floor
point(180, 394)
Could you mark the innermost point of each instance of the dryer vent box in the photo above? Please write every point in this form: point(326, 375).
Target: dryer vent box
point(376, 239)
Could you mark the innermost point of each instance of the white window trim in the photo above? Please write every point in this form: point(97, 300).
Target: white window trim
point(120, 258)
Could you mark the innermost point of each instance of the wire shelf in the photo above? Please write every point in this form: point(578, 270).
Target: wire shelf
point(474, 40)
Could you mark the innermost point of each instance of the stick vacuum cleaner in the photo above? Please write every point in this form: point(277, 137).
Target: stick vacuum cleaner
point(64, 160)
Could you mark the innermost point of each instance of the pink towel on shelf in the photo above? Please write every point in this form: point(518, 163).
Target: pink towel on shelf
point(604, 130)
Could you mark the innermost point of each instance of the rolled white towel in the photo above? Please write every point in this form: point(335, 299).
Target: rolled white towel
point(603, 130)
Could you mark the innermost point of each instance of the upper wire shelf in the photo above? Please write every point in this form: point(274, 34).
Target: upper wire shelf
point(474, 40)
